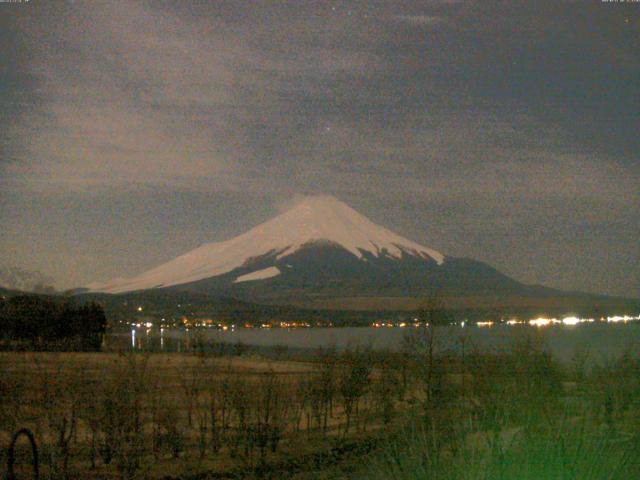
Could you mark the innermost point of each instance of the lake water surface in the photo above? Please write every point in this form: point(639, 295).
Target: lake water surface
point(602, 341)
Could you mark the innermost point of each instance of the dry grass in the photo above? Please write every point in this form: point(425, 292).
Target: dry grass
point(106, 415)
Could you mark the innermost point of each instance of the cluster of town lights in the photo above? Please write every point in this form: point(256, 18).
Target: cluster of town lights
point(397, 324)
point(624, 318)
point(570, 321)
point(224, 327)
point(535, 322)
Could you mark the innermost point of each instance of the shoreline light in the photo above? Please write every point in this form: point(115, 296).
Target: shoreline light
point(622, 318)
point(543, 322)
point(484, 324)
point(576, 320)
point(571, 321)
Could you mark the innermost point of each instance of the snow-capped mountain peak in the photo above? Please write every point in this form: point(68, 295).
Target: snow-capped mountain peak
point(315, 219)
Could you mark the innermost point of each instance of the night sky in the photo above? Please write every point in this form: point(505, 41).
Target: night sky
point(508, 132)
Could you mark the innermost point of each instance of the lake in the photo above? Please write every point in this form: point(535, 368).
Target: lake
point(603, 341)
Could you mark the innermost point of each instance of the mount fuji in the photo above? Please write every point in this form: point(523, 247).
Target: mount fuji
point(323, 251)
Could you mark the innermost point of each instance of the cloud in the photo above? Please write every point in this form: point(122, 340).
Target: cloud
point(419, 20)
point(180, 122)
point(15, 278)
point(136, 98)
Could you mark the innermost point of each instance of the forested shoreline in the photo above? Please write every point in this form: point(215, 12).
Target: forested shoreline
point(47, 323)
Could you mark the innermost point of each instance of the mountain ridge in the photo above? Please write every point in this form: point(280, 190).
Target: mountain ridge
point(316, 219)
point(322, 251)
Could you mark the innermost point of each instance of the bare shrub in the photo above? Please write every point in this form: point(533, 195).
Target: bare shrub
point(354, 372)
point(120, 402)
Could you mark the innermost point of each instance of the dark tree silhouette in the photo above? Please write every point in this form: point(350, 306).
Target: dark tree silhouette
point(42, 322)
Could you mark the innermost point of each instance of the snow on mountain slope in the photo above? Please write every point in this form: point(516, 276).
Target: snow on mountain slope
point(320, 218)
point(259, 275)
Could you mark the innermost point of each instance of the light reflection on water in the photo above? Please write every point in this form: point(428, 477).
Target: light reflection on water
point(602, 340)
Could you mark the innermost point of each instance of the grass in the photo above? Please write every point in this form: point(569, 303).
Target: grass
point(106, 415)
point(562, 452)
point(516, 414)
point(588, 429)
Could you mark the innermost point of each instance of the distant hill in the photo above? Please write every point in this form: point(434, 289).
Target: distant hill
point(173, 305)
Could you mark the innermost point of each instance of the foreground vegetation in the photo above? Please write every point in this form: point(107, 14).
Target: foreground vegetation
point(138, 415)
point(413, 414)
point(523, 417)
